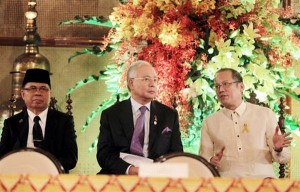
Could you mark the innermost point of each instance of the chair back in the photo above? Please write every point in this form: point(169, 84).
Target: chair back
point(283, 169)
point(30, 161)
point(197, 165)
point(52, 105)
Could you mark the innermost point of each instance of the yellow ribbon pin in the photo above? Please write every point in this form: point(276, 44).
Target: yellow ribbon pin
point(245, 129)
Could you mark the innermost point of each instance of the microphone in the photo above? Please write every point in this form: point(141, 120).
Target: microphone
point(21, 121)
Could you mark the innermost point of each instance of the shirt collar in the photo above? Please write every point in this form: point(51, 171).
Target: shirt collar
point(136, 106)
point(42, 115)
point(239, 110)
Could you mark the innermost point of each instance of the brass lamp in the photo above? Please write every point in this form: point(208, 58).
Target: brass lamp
point(31, 58)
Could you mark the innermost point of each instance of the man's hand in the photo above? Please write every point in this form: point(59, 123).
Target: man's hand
point(215, 160)
point(133, 170)
point(281, 141)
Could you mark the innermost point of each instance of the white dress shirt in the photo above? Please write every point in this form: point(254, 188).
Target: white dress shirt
point(247, 134)
point(136, 113)
point(31, 115)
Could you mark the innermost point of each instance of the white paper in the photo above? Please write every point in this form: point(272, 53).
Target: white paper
point(170, 170)
point(135, 159)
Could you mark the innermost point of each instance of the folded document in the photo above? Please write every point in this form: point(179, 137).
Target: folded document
point(135, 159)
point(149, 169)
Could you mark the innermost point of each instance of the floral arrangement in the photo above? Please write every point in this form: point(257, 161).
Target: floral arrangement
point(187, 41)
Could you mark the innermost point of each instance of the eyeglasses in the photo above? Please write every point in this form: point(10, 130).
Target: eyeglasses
point(147, 79)
point(34, 89)
point(225, 85)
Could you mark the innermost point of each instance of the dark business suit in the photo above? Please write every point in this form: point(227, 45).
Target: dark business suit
point(116, 130)
point(59, 139)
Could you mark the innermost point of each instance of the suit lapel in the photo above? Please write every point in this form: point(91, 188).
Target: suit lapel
point(23, 128)
point(127, 119)
point(49, 128)
point(154, 121)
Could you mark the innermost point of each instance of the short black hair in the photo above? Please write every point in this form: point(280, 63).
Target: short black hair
point(235, 74)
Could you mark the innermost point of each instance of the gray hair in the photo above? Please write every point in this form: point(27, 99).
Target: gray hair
point(131, 73)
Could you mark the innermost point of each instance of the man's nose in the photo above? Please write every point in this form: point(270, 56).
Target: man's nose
point(153, 82)
point(221, 88)
point(38, 91)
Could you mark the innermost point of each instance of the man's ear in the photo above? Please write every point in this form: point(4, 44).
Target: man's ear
point(130, 83)
point(242, 87)
point(22, 94)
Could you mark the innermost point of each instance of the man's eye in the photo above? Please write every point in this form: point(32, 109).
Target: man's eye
point(33, 88)
point(146, 79)
point(44, 88)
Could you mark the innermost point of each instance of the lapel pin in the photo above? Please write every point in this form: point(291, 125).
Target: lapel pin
point(155, 120)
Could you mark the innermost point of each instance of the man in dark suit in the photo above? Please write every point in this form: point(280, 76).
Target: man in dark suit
point(118, 124)
point(55, 129)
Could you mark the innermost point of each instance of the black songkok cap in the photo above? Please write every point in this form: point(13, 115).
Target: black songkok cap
point(37, 76)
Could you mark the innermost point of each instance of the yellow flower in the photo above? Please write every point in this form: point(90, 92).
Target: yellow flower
point(141, 27)
point(166, 5)
point(250, 32)
point(169, 34)
point(202, 6)
point(212, 39)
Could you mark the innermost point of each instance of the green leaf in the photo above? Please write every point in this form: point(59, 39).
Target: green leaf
point(105, 104)
point(93, 145)
point(293, 95)
point(96, 50)
point(83, 82)
point(93, 20)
